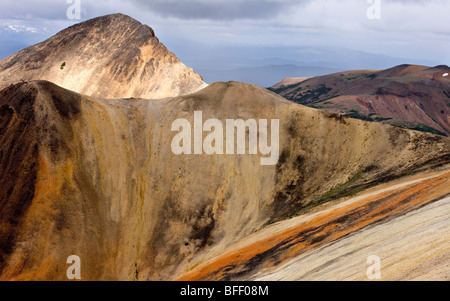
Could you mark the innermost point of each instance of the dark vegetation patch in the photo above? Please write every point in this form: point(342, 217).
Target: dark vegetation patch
point(424, 128)
point(446, 94)
point(379, 118)
point(311, 95)
point(357, 115)
point(303, 95)
point(372, 75)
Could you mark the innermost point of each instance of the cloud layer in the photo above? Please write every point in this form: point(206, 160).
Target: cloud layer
point(218, 10)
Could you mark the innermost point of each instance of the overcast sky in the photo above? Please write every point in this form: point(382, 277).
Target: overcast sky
point(416, 30)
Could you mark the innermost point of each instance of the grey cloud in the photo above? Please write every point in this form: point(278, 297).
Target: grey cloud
point(182, 9)
point(219, 9)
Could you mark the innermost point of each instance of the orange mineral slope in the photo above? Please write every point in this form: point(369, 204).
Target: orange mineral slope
point(340, 220)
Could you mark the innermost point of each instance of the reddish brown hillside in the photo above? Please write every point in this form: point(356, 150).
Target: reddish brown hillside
point(415, 97)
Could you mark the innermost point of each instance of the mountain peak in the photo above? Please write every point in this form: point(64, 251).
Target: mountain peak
point(112, 23)
point(113, 56)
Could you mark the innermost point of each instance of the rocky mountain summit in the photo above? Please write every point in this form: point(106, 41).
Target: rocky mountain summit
point(113, 56)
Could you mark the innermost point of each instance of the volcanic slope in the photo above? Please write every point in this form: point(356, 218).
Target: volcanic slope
point(410, 96)
point(97, 178)
point(403, 223)
point(113, 56)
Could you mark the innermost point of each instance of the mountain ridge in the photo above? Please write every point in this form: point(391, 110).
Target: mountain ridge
point(113, 193)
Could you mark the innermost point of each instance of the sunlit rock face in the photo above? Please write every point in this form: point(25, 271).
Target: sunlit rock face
point(113, 56)
point(97, 178)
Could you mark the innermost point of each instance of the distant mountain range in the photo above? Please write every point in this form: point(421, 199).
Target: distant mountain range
point(411, 96)
point(262, 76)
point(259, 65)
